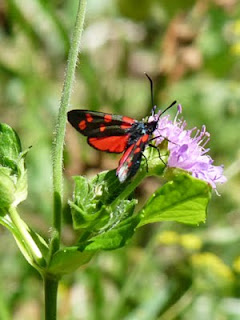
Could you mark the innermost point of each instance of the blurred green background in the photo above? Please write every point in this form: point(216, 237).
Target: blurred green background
point(191, 49)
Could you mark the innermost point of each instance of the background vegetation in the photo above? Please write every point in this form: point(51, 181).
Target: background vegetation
point(191, 49)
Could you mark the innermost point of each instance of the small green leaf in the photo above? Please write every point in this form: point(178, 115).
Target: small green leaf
point(10, 145)
point(13, 176)
point(184, 199)
point(91, 205)
point(7, 222)
point(114, 238)
point(87, 211)
point(6, 190)
point(68, 260)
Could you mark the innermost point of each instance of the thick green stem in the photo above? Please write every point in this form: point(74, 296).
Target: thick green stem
point(50, 289)
point(61, 124)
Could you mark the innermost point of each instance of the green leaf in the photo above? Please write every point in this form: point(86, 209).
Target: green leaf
point(6, 190)
point(6, 221)
point(114, 238)
point(87, 211)
point(184, 199)
point(10, 145)
point(93, 210)
point(91, 205)
point(13, 175)
point(68, 260)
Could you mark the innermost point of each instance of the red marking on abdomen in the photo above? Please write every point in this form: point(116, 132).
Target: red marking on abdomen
point(82, 125)
point(107, 118)
point(138, 142)
point(89, 117)
point(145, 138)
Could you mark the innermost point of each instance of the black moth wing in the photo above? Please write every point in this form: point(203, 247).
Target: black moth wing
point(99, 124)
point(131, 159)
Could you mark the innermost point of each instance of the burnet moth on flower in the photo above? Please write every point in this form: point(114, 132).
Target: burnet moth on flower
point(116, 134)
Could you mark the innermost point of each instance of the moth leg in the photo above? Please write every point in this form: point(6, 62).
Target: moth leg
point(163, 138)
point(159, 155)
point(146, 161)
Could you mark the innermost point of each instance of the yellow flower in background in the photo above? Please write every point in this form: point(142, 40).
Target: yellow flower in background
point(168, 238)
point(235, 34)
point(190, 241)
point(210, 263)
point(187, 241)
point(235, 49)
point(236, 264)
point(236, 28)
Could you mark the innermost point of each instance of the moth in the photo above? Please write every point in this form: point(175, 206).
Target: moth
point(116, 134)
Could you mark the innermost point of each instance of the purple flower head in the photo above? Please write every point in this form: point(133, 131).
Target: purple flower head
point(187, 148)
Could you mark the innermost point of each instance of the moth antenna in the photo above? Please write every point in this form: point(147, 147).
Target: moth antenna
point(171, 105)
point(151, 88)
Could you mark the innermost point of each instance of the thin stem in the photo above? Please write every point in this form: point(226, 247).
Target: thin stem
point(177, 308)
point(61, 124)
point(50, 289)
point(137, 273)
point(4, 307)
point(131, 187)
point(133, 278)
point(31, 246)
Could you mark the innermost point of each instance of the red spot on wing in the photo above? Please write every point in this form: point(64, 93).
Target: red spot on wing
point(130, 164)
point(138, 142)
point(102, 127)
point(115, 144)
point(82, 125)
point(89, 117)
point(127, 122)
point(125, 156)
point(125, 126)
point(108, 118)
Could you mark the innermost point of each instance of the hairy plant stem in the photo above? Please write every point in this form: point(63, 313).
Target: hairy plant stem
point(50, 283)
point(61, 124)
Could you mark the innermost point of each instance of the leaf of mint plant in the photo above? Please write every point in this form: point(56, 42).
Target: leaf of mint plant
point(184, 199)
point(13, 178)
point(91, 206)
point(67, 260)
point(40, 242)
point(107, 220)
point(10, 145)
point(114, 238)
point(87, 210)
